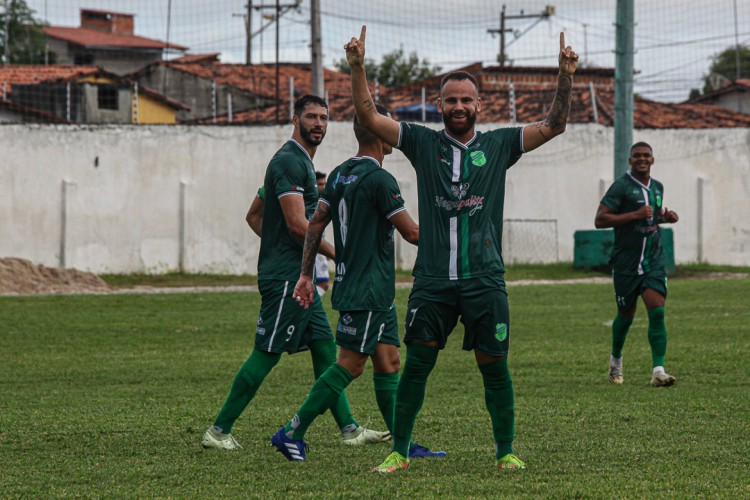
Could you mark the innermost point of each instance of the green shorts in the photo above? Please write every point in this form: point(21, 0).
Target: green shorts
point(482, 303)
point(361, 331)
point(283, 325)
point(628, 288)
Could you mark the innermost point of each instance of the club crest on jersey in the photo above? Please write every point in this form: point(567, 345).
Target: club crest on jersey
point(501, 331)
point(478, 158)
point(658, 200)
point(459, 190)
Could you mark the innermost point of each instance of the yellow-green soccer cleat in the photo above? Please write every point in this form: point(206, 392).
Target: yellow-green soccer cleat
point(393, 463)
point(510, 461)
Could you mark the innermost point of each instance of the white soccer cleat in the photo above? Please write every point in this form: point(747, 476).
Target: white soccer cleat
point(214, 439)
point(662, 379)
point(363, 435)
point(615, 370)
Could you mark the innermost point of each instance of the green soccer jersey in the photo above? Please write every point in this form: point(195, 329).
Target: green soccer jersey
point(290, 173)
point(461, 191)
point(362, 197)
point(638, 248)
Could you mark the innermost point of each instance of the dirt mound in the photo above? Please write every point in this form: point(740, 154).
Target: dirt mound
point(20, 276)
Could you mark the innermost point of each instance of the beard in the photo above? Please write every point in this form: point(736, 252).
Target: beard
point(459, 129)
point(306, 134)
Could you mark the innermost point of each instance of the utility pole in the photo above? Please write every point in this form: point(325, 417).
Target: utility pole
point(624, 55)
point(548, 11)
point(279, 10)
point(316, 62)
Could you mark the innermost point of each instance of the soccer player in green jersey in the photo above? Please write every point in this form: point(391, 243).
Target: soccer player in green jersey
point(633, 206)
point(290, 197)
point(459, 270)
point(364, 202)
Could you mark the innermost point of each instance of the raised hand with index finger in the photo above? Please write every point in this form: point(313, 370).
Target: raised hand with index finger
point(568, 59)
point(355, 49)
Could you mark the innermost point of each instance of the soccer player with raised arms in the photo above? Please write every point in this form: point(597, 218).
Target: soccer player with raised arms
point(459, 271)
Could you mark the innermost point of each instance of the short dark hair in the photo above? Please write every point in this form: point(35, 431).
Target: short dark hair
point(641, 144)
point(363, 135)
point(459, 75)
point(319, 175)
point(299, 104)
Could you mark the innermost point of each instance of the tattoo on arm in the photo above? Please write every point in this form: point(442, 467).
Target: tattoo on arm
point(315, 229)
point(558, 114)
point(368, 104)
point(538, 126)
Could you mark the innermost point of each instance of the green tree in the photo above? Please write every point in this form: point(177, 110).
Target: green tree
point(23, 34)
point(395, 70)
point(725, 64)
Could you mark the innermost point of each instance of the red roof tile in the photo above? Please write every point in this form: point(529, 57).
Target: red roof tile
point(532, 101)
point(211, 58)
point(94, 38)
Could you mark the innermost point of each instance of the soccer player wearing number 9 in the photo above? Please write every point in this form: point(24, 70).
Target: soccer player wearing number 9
point(291, 194)
point(459, 271)
point(364, 202)
point(633, 207)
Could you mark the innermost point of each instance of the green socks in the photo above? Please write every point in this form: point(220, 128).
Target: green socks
point(324, 393)
point(323, 356)
point(657, 335)
point(245, 385)
point(620, 327)
point(386, 385)
point(498, 397)
point(420, 360)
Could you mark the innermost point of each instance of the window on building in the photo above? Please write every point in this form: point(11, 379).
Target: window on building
point(107, 97)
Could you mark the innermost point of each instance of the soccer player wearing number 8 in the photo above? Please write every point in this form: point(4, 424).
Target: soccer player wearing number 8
point(364, 202)
point(291, 194)
point(459, 271)
point(633, 207)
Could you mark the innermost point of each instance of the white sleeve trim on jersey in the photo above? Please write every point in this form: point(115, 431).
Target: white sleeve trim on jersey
point(400, 129)
point(290, 192)
point(323, 200)
point(522, 148)
point(400, 209)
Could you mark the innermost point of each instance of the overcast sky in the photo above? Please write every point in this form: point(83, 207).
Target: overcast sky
point(674, 39)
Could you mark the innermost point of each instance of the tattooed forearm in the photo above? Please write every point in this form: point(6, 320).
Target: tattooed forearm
point(313, 236)
point(558, 114)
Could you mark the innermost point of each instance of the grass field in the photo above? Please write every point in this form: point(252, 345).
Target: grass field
point(108, 395)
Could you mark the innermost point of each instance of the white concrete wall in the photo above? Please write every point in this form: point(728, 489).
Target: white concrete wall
point(123, 213)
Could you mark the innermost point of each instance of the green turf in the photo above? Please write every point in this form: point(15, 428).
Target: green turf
point(107, 396)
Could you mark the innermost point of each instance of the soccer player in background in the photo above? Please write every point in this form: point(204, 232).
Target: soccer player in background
point(291, 195)
point(364, 202)
point(633, 207)
point(459, 270)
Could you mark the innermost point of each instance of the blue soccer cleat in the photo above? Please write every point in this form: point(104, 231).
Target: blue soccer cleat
point(292, 449)
point(419, 451)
